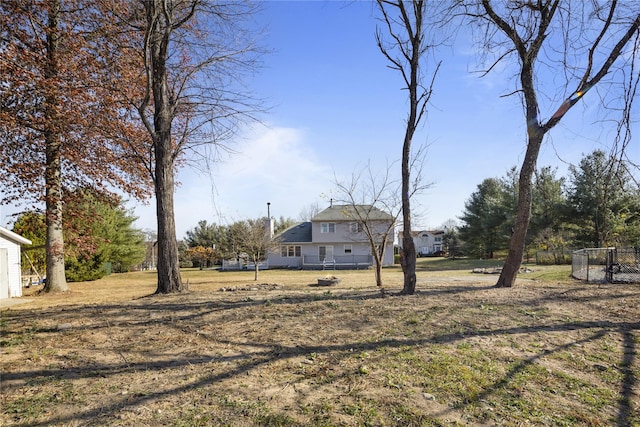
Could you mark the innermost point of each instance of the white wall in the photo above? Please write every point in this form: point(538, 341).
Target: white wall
point(14, 270)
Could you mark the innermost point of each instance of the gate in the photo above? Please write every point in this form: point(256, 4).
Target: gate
point(623, 265)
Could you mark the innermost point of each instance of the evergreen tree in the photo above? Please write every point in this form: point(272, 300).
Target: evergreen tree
point(549, 207)
point(99, 234)
point(485, 219)
point(605, 202)
point(205, 235)
point(32, 225)
point(452, 243)
point(282, 223)
point(101, 237)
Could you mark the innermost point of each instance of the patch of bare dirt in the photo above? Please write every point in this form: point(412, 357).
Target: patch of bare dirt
point(459, 352)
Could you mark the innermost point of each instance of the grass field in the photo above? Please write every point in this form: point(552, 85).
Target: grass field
point(284, 352)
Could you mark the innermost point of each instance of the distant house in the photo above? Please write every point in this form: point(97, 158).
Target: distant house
point(332, 239)
point(10, 267)
point(428, 242)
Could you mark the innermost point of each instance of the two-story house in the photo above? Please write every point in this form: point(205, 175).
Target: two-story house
point(334, 238)
point(428, 242)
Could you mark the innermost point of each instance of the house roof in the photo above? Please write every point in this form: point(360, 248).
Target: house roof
point(432, 232)
point(299, 233)
point(16, 238)
point(351, 212)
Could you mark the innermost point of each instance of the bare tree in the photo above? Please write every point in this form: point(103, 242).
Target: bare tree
point(254, 238)
point(309, 212)
point(406, 24)
point(192, 55)
point(563, 50)
point(372, 201)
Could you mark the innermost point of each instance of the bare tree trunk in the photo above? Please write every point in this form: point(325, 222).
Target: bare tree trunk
point(191, 49)
point(169, 279)
point(56, 280)
point(408, 254)
point(408, 258)
point(378, 262)
point(408, 48)
point(523, 214)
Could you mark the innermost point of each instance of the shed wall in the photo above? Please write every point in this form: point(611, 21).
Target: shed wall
point(13, 269)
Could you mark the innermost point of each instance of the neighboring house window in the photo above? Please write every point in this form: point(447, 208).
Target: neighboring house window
point(290, 251)
point(438, 239)
point(347, 249)
point(328, 227)
point(355, 227)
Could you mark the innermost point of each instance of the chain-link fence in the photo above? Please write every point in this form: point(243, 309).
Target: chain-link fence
point(590, 264)
point(623, 265)
point(613, 265)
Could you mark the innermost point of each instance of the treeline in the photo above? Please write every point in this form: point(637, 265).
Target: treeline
point(597, 205)
point(208, 244)
point(99, 237)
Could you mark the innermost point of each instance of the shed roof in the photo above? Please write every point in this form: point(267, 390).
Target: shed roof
point(351, 213)
point(16, 238)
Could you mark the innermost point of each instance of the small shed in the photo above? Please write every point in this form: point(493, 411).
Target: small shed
point(10, 268)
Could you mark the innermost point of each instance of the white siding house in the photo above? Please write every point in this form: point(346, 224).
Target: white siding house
point(10, 268)
point(427, 242)
point(333, 239)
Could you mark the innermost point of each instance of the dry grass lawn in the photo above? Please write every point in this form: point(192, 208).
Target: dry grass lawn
point(282, 352)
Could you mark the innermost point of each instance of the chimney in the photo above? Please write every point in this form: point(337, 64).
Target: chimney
point(268, 224)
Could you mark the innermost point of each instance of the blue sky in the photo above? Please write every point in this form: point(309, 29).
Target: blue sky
point(336, 105)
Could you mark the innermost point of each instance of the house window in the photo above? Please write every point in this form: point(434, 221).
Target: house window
point(290, 251)
point(328, 227)
point(347, 249)
point(355, 227)
point(438, 239)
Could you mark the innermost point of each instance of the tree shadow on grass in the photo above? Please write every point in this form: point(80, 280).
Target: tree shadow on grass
point(263, 353)
point(629, 382)
point(266, 353)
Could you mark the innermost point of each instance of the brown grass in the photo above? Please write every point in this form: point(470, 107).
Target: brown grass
point(547, 352)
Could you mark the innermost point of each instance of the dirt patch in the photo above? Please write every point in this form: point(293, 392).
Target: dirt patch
point(460, 352)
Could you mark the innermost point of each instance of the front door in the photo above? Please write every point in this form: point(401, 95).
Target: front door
point(325, 253)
